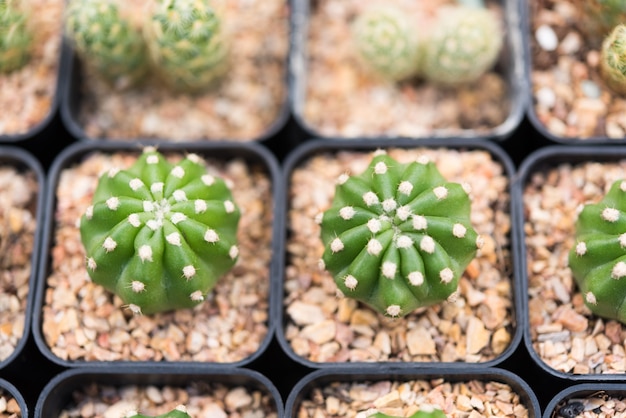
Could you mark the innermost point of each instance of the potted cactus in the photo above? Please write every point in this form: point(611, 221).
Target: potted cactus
point(140, 69)
point(353, 61)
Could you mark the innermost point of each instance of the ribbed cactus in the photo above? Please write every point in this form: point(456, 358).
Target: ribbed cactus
point(160, 235)
point(15, 36)
point(106, 41)
point(398, 236)
point(424, 412)
point(613, 59)
point(464, 44)
point(187, 43)
point(179, 412)
point(387, 41)
point(597, 18)
point(598, 260)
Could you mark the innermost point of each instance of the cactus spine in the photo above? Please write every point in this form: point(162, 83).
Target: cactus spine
point(160, 235)
point(179, 412)
point(598, 260)
point(613, 59)
point(15, 37)
point(398, 236)
point(426, 411)
point(186, 42)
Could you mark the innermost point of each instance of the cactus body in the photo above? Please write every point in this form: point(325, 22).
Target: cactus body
point(465, 43)
point(179, 412)
point(106, 41)
point(387, 42)
point(398, 236)
point(15, 37)
point(187, 44)
point(598, 260)
point(613, 60)
point(598, 17)
point(160, 235)
point(425, 412)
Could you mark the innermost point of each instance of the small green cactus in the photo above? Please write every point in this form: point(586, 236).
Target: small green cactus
point(598, 260)
point(179, 412)
point(613, 59)
point(465, 43)
point(387, 41)
point(424, 412)
point(15, 37)
point(398, 236)
point(160, 235)
point(186, 43)
point(598, 17)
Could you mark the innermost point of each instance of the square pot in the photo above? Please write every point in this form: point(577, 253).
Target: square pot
point(595, 399)
point(332, 97)
point(318, 329)
point(233, 327)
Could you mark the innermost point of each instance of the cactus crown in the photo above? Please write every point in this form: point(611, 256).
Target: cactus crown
point(425, 411)
point(613, 59)
point(398, 236)
point(15, 37)
point(179, 412)
point(598, 260)
point(159, 235)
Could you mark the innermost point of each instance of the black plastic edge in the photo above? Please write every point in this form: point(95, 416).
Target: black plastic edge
point(313, 146)
point(397, 372)
point(252, 152)
point(583, 390)
point(12, 390)
point(515, 60)
point(57, 393)
point(24, 161)
point(542, 158)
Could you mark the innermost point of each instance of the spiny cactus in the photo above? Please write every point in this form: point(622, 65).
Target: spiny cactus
point(598, 260)
point(464, 44)
point(160, 235)
point(179, 412)
point(613, 59)
point(387, 41)
point(15, 36)
point(597, 18)
point(106, 41)
point(424, 412)
point(398, 236)
point(186, 42)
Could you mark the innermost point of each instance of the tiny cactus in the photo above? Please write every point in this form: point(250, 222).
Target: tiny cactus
point(106, 41)
point(398, 236)
point(179, 412)
point(15, 37)
point(613, 59)
point(186, 43)
point(160, 235)
point(387, 42)
point(598, 260)
point(426, 411)
point(598, 17)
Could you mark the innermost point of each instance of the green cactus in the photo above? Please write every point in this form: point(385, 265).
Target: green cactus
point(424, 412)
point(613, 59)
point(106, 41)
point(598, 260)
point(398, 236)
point(160, 235)
point(387, 42)
point(598, 17)
point(179, 412)
point(187, 44)
point(464, 44)
point(15, 37)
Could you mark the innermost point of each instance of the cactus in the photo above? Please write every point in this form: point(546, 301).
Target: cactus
point(598, 17)
point(106, 41)
point(15, 37)
point(598, 260)
point(159, 235)
point(179, 412)
point(464, 44)
point(186, 43)
point(387, 42)
point(398, 236)
point(425, 411)
point(613, 59)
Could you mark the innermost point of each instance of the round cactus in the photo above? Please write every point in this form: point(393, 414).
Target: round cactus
point(464, 44)
point(426, 411)
point(179, 412)
point(398, 236)
point(598, 260)
point(598, 17)
point(186, 43)
point(613, 60)
point(15, 37)
point(106, 41)
point(387, 42)
point(160, 235)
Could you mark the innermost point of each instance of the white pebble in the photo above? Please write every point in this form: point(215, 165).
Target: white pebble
point(546, 97)
point(546, 38)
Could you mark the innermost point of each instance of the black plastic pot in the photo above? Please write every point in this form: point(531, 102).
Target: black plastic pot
point(59, 392)
point(322, 379)
point(253, 155)
point(313, 148)
point(8, 389)
point(570, 400)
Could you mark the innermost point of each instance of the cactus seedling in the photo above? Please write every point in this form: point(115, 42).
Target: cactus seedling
point(598, 17)
point(179, 412)
point(15, 37)
point(398, 236)
point(159, 235)
point(613, 59)
point(186, 43)
point(598, 260)
point(424, 412)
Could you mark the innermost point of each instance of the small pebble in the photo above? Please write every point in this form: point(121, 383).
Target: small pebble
point(546, 38)
point(590, 89)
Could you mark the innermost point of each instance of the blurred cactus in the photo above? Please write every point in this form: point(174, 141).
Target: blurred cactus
point(398, 236)
point(424, 412)
point(179, 412)
point(160, 235)
point(613, 59)
point(597, 18)
point(15, 36)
